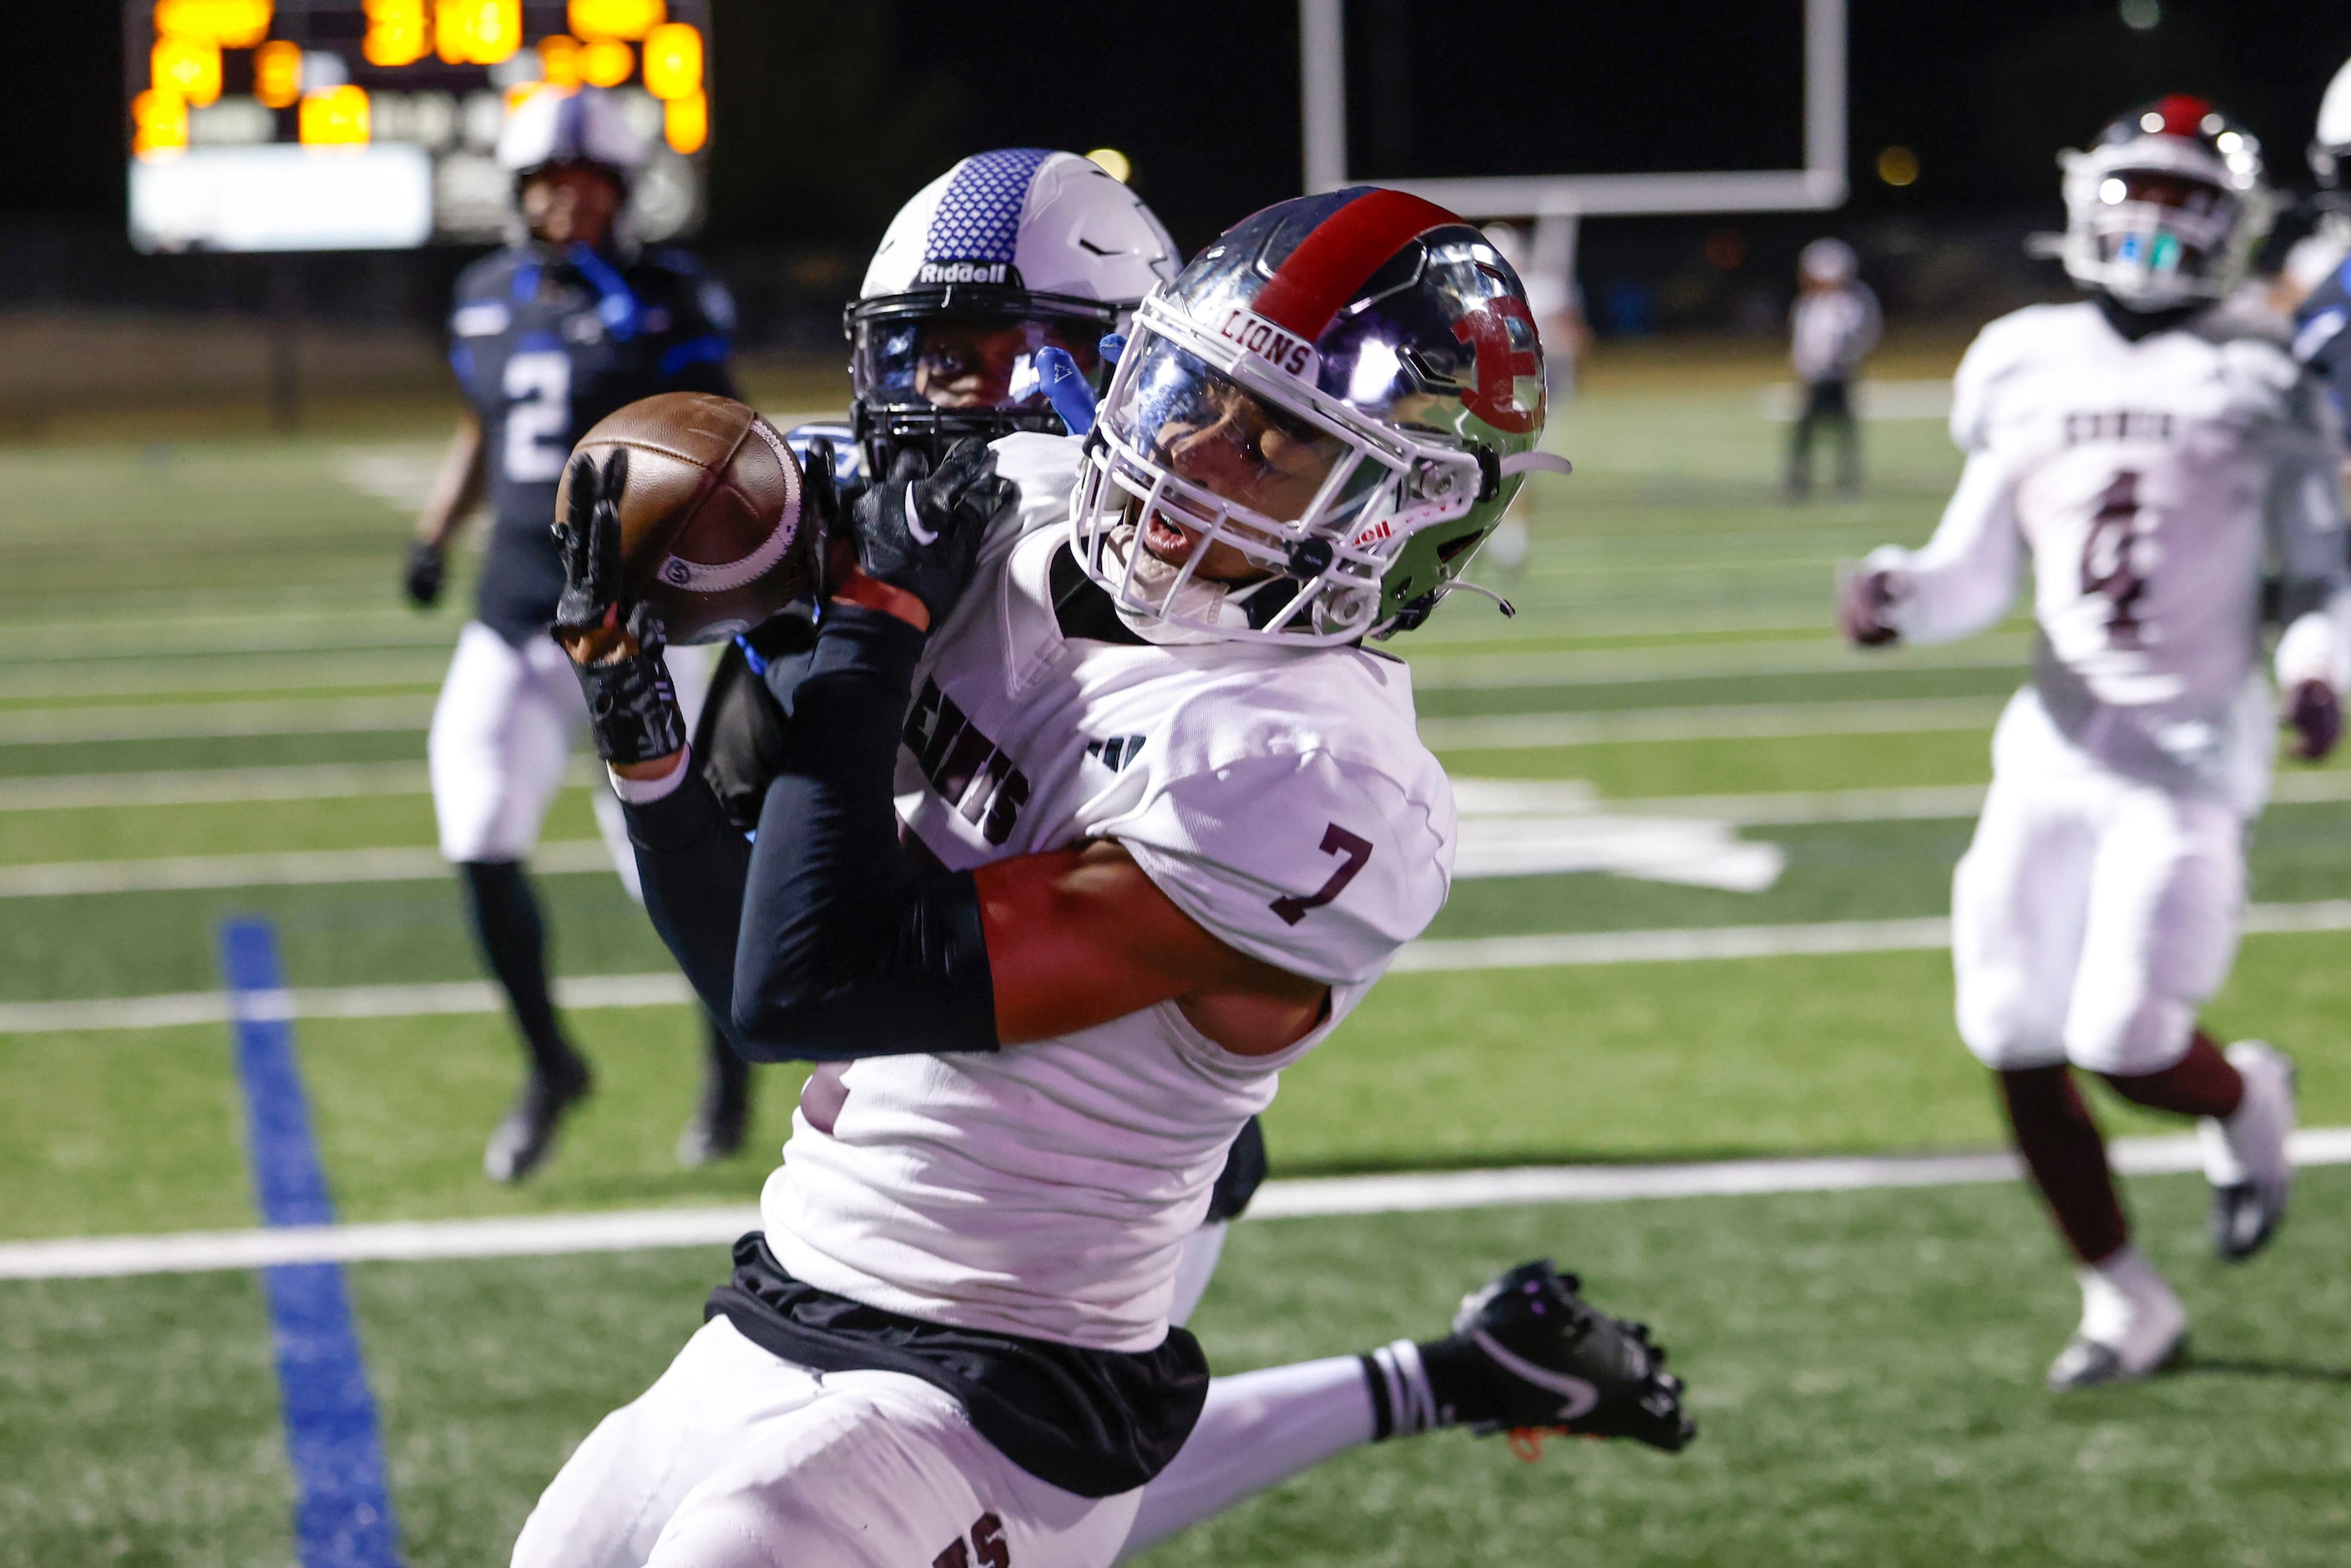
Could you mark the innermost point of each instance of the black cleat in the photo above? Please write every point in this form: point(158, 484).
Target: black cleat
point(1557, 1363)
point(522, 1141)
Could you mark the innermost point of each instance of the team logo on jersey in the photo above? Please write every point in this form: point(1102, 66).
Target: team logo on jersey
point(1116, 752)
point(1277, 345)
point(969, 771)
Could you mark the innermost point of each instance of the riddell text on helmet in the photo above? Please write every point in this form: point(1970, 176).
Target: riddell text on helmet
point(1268, 341)
point(966, 272)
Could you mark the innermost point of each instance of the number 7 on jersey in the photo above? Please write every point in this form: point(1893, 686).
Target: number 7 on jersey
point(1336, 841)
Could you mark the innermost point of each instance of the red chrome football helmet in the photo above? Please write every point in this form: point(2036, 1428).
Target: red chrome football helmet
point(1313, 427)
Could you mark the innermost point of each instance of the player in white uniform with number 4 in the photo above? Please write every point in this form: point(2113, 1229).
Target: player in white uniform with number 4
point(1165, 822)
point(2151, 467)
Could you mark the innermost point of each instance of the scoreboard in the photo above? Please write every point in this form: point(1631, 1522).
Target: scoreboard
point(260, 125)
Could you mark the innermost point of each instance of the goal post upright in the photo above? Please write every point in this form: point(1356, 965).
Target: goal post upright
point(1559, 202)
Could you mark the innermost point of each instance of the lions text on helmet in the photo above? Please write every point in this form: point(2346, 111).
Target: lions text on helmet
point(1314, 426)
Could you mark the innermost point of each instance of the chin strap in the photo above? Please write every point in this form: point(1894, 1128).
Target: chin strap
point(1536, 462)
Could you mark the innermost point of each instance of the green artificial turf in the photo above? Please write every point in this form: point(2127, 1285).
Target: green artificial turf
point(1864, 1368)
point(1866, 1365)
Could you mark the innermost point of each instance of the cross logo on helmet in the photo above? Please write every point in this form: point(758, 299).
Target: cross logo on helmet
point(1495, 398)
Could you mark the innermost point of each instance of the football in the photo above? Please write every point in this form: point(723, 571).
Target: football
point(711, 520)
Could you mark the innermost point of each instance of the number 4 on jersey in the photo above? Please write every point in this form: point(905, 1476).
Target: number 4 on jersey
point(1336, 841)
point(2109, 564)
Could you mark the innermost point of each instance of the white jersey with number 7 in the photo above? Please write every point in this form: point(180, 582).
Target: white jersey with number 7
point(1279, 797)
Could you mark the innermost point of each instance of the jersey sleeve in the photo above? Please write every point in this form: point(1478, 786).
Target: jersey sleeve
point(1988, 363)
point(2322, 333)
point(1319, 866)
point(1967, 576)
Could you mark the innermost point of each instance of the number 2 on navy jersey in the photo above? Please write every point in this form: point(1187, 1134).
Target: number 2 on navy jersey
point(538, 415)
point(2109, 557)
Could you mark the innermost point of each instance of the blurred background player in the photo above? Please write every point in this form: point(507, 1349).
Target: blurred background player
point(2151, 462)
point(1557, 301)
point(2317, 269)
point(550, 335)
point(1832, 327)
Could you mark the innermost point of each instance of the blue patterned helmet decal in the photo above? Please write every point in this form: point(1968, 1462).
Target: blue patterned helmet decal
point(978, 218)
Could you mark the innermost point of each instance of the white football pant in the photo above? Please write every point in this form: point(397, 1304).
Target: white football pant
point(2091, 917)
point(502, 734)
point(738, 1459)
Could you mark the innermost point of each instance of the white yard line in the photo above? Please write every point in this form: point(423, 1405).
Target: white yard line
point(1745, 721)
point(231, 786)
point(293, 868)
point(1697, 661)
point(1577, 949)
point(103, 1257)
point(196, 721)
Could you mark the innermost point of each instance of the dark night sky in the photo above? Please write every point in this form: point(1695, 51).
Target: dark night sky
point(830, 114)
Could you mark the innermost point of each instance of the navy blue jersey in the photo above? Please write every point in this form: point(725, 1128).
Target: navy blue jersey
point(2322, 333)
point(546, 341)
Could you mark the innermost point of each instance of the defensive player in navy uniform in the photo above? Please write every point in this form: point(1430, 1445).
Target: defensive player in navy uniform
point(1093, 812)
point(2322, 337)
point(550, 335)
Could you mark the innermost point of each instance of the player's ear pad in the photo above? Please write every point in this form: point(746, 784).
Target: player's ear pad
point(712, 531)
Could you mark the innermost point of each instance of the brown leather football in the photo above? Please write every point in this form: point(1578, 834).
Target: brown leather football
point(712, 529)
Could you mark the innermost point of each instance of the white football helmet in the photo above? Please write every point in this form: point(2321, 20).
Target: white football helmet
point(571, 125)
point(2330, 141)
point(1006, 253)
point(2164, 209)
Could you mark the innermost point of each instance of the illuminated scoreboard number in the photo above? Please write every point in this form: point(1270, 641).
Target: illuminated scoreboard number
point(372, 124)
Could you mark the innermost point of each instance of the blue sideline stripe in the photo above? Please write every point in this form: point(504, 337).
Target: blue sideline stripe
point(342, 1510)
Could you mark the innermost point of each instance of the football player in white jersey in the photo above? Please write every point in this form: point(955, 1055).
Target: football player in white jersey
point(2150, 466)
point(1165, 820)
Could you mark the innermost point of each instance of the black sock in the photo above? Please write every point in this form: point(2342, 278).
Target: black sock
point(512, 943)
point(1419, 1387)
point(725, 1076)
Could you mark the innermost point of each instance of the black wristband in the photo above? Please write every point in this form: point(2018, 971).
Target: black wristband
point(632, 708)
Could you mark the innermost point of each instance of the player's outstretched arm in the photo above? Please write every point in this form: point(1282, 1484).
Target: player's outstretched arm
point(1960, 584)
point(457, 490)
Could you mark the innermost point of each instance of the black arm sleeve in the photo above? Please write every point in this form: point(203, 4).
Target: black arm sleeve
point(839, 948)
point(843, 953)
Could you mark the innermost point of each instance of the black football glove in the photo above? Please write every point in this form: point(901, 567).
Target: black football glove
point(920, 530)
point(422, 576)
point(820, 508)
point(633, 709)
point(1865, 604)
point(2316, 715)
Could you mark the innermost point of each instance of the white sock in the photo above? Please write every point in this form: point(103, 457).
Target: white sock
point(2114, 1294)
point(1258, 1429)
